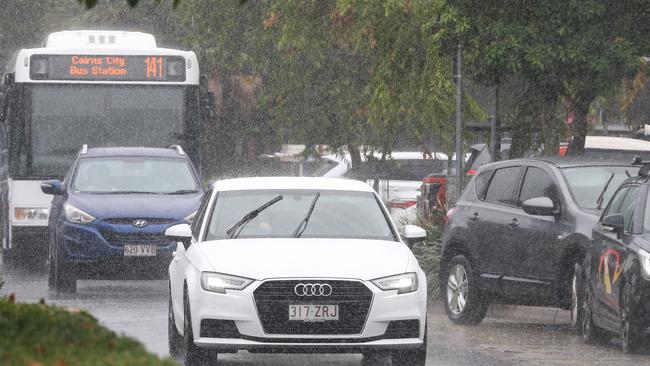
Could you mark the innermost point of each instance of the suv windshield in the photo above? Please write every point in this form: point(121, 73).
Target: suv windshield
point(336, 214)
point(134, 175)
point(587, 183)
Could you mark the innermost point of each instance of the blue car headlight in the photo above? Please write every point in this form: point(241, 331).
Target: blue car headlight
point(76, 215)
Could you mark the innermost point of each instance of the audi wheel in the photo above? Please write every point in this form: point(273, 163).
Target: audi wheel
point(194, 356)
point(464, 301)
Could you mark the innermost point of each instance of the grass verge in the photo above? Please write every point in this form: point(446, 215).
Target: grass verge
point(43, 335)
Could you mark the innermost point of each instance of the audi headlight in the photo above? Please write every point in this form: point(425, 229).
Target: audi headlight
point(30, 213)
point(77, 216)
point(219, 282)
point(403, 283)
point(189, 218)
point(644, 258)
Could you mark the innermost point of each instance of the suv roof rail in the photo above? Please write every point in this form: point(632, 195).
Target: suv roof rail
point(178, 149)
point(645, 169)
point(84, 149)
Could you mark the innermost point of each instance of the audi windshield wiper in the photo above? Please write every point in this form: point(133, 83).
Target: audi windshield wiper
point(182, 191)
point(233, 232)
point(303, 224)
point(601, 196)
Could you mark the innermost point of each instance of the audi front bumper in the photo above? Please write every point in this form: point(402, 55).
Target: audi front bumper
point(236, 321)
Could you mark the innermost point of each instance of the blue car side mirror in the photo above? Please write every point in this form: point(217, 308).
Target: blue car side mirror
point(53, 187)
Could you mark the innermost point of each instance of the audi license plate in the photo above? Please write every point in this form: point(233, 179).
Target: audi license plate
point(313, 313)
point(139, 250)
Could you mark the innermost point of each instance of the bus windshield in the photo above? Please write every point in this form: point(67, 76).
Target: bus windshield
point(63, 117)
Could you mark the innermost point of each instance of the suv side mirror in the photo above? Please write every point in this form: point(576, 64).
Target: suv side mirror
point(413, 234)
point(180, 233)
point(539, 206)
point(53, 187)
point(613, 223)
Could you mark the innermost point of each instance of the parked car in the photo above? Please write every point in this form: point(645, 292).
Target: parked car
point(397, 180)
point(109, 216)
point(617, 268)
point(296, 264)
point(517, 231)
point(433, 189)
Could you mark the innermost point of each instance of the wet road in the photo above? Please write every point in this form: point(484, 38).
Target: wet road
point(510, 335)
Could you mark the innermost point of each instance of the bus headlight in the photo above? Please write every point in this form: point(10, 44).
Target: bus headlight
point(77, 216)
point(30, 213)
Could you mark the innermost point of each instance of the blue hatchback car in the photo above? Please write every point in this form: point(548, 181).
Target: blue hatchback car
point(109, 216)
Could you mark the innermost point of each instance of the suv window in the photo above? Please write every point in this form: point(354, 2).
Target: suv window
point(502, 185)
point(627, 208)
point(537, 183)
point(481, 182)
point(617, 202)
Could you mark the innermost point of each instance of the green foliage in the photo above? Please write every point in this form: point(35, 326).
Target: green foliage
point(38, 334)
point(132, 3)
point(566, 51)
point(429, 251)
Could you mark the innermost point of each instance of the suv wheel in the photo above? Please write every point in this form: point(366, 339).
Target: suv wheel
point(590, 332)
point(63, 276)
point(577, 299)
point(630, 331)
point(464, 301)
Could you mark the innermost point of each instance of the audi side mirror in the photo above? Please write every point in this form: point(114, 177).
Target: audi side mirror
point(53, 187)
point(413, 234)
point(613, 223)
point(180, 233)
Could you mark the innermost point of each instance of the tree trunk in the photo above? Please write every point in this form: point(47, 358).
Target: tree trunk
point(579, 127)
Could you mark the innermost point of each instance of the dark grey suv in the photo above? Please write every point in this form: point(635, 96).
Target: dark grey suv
point(518, 230)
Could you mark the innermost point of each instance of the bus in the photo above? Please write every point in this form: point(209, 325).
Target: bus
point(95, 88)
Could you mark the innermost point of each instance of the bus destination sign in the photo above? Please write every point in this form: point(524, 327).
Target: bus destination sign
point(107, 68)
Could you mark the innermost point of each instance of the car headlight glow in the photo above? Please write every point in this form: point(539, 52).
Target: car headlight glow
point(644, 258)
point(77, 216)
point(403, 283)
point(190, 218)
point(219, 282)
point(30, 213)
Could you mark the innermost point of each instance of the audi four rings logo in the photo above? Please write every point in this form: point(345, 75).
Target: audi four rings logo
point(139, 223)
point(313, 289)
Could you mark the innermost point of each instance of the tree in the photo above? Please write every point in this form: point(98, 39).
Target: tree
point(566, 51)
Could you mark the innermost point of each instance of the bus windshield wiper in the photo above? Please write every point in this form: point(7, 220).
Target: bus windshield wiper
point(233, 231)
point(303, 224)
point(601, 196)
point(182, 191)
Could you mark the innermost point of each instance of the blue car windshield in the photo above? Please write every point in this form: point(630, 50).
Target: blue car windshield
point(134, 175)
point(336, 214)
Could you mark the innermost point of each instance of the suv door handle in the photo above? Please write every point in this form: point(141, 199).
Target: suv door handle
point(513, 223)
point(474, 217)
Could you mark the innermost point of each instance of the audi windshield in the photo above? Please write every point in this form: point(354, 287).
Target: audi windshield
point(298, 213)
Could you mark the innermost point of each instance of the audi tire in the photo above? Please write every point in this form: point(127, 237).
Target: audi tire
point(194, 356)
point(412, 357)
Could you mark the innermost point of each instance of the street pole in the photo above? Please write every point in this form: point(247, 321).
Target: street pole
point(459, 120)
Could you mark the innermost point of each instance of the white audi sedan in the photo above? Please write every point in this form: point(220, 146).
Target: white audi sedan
point(304, 265)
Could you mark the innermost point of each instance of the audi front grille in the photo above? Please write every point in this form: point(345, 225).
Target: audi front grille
point(272, 299)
